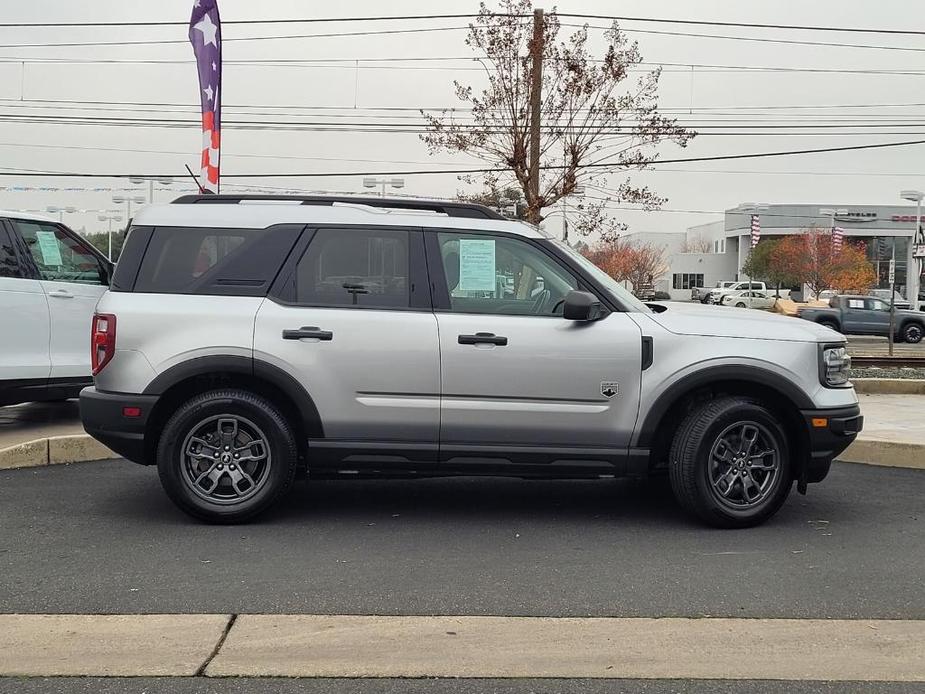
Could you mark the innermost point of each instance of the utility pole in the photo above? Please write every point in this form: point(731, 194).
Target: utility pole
point(536, 93)
point(892, 279)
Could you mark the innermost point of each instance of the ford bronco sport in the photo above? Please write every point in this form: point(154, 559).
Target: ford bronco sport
point(245, 340)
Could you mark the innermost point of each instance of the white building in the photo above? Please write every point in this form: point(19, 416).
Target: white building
point(723, 246)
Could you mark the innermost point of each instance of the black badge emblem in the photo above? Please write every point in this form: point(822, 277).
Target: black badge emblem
point(609, 389)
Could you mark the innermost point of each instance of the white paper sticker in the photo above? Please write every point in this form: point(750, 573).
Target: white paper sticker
point(48, 247)
point(476, 265)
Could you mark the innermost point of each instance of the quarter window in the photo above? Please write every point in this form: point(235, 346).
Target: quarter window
point(500, 275)
point(59, 257)
point(348, 267)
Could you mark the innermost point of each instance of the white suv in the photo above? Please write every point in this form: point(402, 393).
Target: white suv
point(50, 281)
point(244, 341)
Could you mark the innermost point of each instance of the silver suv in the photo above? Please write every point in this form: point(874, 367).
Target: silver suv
point(245, 341)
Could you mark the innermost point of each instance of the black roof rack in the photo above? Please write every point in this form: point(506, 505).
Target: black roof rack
point(469, 210)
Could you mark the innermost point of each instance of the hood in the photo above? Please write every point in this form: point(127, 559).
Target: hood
point(723, 321)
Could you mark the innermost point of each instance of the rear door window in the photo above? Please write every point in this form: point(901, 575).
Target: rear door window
point(240, 262)
point(355, 268)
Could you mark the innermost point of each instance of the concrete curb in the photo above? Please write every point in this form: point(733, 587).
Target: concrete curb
point(54, 450)
point(885, 453)
point(889, 386)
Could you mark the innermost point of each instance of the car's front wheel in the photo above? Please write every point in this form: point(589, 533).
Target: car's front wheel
point(730, 464)
point(226, 455)
point(740, 305)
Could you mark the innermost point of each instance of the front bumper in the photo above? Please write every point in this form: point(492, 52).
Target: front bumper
point(829, 432)
point(103, 417)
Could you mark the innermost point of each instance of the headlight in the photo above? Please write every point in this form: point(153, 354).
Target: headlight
point(835, 366)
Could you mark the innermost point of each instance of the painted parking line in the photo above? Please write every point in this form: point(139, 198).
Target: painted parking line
point(107, 645)
point(494, 647)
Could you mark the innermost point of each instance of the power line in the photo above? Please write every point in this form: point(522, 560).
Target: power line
point(596, 165)
point(621, 18)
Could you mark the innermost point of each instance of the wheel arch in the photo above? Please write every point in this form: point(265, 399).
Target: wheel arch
point(665, 415)
point(180, 382)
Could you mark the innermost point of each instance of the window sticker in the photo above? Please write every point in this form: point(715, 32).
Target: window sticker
point(49, 248)
point(477, 265)
point(855, 303)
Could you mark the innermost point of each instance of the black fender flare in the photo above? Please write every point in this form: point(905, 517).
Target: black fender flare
point(246, 366)
point(786, 389)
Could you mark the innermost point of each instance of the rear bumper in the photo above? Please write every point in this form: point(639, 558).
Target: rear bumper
point(829, 432)
point(103, 417)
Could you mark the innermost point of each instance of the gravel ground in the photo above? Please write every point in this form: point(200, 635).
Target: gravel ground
point(891, 372)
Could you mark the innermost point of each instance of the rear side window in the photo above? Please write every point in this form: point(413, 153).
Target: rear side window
point(355, 267)
point(8, 265)
point(238, 262)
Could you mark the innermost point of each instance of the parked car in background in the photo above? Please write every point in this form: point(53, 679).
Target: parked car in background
point(717, 293)
point(866, 315)
point(351, 337)
point(898, 300)
point(749, 299)
point(702, 293)
point(50, 281)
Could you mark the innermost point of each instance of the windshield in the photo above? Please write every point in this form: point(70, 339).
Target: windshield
point(622, 294)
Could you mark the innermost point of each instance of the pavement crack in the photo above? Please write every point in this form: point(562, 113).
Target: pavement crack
point(218, 646)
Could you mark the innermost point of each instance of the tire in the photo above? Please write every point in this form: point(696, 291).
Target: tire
point(912, 333)
point(697, 471)
point(709, 299)
point(830, 324)
point(218, 423)
point(741, 305)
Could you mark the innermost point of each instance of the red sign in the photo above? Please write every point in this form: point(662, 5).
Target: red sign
point(906, 218)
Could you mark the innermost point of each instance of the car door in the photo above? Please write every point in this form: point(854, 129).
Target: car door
point(73, 277)
point(520, 385)
point(877, 316)
point(24, 356)
point(351, 319)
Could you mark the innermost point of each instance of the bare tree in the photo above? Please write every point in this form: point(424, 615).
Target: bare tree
point(596, 120)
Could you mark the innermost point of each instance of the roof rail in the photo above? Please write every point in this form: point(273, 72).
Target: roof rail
point(469, 210)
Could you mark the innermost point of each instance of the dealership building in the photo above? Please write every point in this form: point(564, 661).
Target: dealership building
point(707, 253)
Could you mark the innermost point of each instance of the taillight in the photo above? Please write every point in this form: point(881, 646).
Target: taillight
point(102, 340)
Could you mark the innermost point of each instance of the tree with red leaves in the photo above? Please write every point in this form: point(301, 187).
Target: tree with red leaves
point(813, 259)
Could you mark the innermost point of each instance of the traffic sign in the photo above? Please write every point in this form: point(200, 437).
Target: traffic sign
point(919, 251)
point(892, 271)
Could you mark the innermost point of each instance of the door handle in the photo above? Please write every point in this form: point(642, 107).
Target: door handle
point(61, 294)
point(308, 332)
point(483, 339)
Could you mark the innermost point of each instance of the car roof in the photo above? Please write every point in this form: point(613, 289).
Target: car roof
point(13, 214)
point(259, 214)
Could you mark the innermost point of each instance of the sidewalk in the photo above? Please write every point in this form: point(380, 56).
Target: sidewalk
point(38, 420)
point(897, 418)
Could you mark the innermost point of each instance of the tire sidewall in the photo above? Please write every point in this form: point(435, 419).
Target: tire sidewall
point(748, 412)
point(913, 340)
point(259, 411)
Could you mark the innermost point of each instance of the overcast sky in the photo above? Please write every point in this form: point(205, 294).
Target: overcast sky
point(875, 176)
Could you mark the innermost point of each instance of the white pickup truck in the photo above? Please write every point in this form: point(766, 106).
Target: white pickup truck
point(716, 294)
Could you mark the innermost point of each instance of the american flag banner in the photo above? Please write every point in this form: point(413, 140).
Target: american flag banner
point(838, 238)
point(205, 33)
point(756, 230)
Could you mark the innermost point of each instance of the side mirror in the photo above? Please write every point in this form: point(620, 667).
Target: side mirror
point(582, 306)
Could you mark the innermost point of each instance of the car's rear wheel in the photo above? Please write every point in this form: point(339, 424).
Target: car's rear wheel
point(830, 324)
point(226, 455)
point(912, 333)
point(709, 299)
point(730, 464)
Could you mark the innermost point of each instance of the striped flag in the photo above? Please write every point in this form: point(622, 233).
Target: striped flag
point(756, 230)
point(838, 238)
point(205, 33)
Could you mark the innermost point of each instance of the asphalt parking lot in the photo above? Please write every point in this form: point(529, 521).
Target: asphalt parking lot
point(103, 538)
